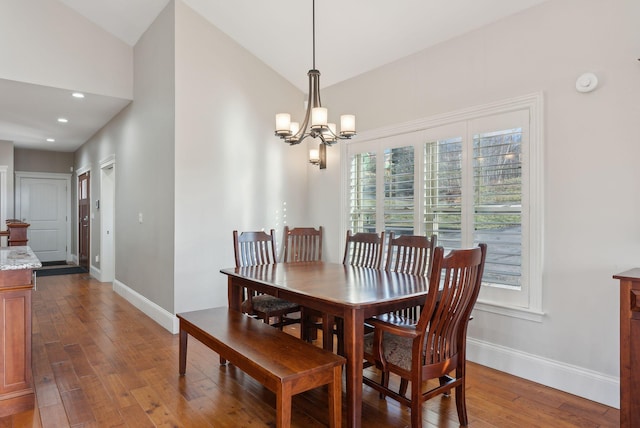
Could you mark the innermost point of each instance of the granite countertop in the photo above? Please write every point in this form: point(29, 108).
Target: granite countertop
point(14, 258)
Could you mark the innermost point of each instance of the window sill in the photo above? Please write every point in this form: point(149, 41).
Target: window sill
point(510, 311)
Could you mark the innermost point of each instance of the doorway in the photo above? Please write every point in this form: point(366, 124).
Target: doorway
point(84, 230)
point(43, 201)
point(106, 207)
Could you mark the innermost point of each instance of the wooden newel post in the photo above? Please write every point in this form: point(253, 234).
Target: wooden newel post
point(17, 232)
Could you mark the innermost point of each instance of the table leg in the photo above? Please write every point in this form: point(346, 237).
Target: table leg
point(182, 352)
point(353, 347)
point(234, 294)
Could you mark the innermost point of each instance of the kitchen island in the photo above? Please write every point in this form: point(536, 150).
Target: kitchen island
point(16, 284)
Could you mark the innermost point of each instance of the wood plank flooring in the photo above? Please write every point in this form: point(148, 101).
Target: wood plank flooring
point(99, 362)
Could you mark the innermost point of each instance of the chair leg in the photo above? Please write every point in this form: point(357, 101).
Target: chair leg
point(340, 334)
point(461, 405)
point(384, 381)
point(443, 380)
point(403, 387)
point(416, 406)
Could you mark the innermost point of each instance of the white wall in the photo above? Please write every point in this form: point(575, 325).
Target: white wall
point(231, 171)
point(591, 176)
point(46, 43)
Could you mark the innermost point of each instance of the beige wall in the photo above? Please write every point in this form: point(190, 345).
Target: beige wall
point(47, 43)
point(231, 171)
point(43, 161)
point(141, 139)
point(6, 159)
point(591, 228)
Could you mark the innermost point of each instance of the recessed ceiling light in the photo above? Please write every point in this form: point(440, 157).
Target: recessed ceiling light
point(51, 140)
point(63, 120)
point(77, 95)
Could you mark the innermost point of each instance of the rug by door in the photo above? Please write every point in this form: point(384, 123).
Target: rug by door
point(58, 268)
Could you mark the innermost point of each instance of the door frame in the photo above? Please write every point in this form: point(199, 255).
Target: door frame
point(107, 255)
point(46, 175)
point(78, 173)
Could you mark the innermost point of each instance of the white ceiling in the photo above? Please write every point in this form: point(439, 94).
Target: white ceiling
point(352, 37)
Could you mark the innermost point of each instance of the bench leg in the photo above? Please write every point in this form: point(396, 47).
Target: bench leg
point(183, 352)
point(283, 406)
point(335, 399)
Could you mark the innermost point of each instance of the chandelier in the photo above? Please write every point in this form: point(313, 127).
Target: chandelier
point(315, 124)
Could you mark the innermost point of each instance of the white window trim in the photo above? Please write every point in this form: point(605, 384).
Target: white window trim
point(535, 104)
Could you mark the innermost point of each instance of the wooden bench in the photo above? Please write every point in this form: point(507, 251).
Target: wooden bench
point(282, 363)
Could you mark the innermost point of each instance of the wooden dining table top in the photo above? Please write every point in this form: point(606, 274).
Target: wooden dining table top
point(335, 284)
point(349, 292)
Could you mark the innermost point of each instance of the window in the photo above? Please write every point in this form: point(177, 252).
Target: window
point(467, 177)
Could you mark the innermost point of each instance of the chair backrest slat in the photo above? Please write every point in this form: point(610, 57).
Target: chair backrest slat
point(454, 285)
point(364, 249)
point(410, 254)
point(302, 244)
point(254, 248)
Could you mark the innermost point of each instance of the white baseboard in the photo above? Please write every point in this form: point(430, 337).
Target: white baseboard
point(575, 380)
point(94, 272)
point(160, 315)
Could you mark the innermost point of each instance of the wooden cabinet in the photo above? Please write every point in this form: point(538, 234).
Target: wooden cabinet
point(629, 347)
point(16, 284)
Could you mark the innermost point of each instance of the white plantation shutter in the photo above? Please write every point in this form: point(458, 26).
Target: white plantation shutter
point(362, 195)
point(443, 191)
point(399, 192)
point(497, 172)
point(467, 177)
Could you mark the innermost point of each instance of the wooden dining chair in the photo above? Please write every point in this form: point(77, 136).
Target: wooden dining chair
point(435, 346)
point(364, 249)
point(255, 249)
point(302, 244)
point(410, 254)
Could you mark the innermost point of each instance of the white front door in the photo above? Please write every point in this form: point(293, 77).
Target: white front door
point(43, 203)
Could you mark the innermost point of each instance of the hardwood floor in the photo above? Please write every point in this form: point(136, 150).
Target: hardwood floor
point(99, 362)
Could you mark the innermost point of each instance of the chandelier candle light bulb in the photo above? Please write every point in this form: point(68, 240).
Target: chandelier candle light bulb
point(283, 124)
point(348, 124)
point(318, 117)
point(314, 156)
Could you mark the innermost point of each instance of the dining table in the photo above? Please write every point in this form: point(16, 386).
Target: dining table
point(348, 292)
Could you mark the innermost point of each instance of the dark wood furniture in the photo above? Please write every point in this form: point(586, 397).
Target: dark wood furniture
point(16, 233)
point(352, 293)
point(302, 244)
point(434, 346)
point(364, 249)
point(282, 363)
point(360, 249)
point(629, 347)
point(410, 254)
point(16, 283)
point(259, 248)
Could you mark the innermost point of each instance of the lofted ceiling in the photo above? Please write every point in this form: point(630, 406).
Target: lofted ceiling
point(352, 37)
